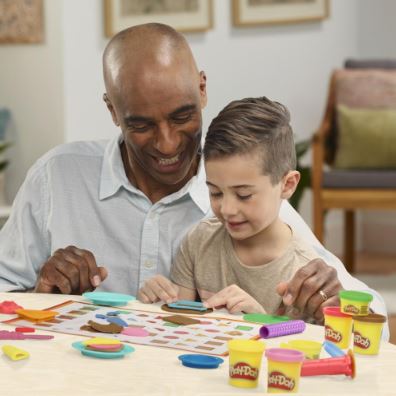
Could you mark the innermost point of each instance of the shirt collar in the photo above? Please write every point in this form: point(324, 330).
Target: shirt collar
point(113, 173)
point(198, 189)
point(113, 177)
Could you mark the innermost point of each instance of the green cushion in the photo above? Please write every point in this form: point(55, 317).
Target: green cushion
point(367, 138)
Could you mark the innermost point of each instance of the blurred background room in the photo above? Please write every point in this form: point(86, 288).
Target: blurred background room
point(51, 92)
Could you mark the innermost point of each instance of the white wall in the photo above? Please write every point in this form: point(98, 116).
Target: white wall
point(31, 86)
point(86, 116)
point(377, 29)
point(288, 63)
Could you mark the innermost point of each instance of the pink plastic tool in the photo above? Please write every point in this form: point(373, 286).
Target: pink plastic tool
point(135, 332)
point(13, 335)
point(25, 329)
point(281, 329)
point(330, 366)
point(9, 307)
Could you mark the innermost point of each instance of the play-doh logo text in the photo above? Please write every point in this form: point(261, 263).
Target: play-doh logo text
point(360, 341)
point(278, 380)
point(332, 335)
point(243, 370)
point(351, 309)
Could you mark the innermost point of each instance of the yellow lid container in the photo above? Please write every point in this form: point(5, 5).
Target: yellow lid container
point(338, 327)
point(355, 302)
point(367, 332)
point(284, 368)
point(310, 349)
point(245, 362)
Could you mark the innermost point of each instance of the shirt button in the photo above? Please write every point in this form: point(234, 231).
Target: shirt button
point(152, 216)
point(148, 264)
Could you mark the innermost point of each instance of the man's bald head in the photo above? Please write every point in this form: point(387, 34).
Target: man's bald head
point(144, 48)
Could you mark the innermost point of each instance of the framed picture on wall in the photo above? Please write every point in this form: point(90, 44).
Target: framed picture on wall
point(183, 15)
point(260, 12)
point(21, 21)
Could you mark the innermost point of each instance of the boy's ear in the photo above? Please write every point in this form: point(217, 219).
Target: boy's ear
point(289, 183)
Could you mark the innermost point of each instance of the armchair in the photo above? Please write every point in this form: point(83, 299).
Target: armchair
point(354, 149)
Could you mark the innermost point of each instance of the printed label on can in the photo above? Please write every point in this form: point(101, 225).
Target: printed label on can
point(243, 370)
point(360, 341)
point(332, 335)
point(278, 380)
point(351, 309)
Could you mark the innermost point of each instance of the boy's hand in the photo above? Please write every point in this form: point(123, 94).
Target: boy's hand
point(235, 300)
point(158, 288)
point(312, 287)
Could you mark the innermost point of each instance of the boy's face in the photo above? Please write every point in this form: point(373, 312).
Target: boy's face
point(244, 199)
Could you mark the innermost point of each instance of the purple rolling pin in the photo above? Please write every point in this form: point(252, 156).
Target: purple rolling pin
point(281, 329)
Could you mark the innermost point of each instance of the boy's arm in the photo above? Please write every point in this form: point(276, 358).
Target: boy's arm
point(235, 300)
point(186, 294)
point(158, 288)
point(181, 282)
point(182, 270)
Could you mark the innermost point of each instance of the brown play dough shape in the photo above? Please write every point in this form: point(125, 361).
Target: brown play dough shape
point(112, 328)
point(180, 320)
point(109, 348)
point(186, 311)
point(87, 328)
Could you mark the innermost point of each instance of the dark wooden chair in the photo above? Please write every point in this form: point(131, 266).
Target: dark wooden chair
point(352, 189)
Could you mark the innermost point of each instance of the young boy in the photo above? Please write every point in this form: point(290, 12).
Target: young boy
point(238, 258)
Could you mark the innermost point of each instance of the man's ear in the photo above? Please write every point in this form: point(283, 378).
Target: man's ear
point(289, 183)
point(202, 89)
point(111, 109)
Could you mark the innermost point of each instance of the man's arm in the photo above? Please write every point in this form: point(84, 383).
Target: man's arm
point(344, 279)
point(23, 240)
point(26, 263)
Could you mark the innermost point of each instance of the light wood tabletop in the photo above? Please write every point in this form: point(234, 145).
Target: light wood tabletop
point(55, 368)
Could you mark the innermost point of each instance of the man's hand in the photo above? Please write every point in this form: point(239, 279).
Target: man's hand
point(158, 288)
point(312, 287)
point(235, 300)
point(70, 271)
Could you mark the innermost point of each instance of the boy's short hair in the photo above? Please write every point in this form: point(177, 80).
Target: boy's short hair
point(254, 124)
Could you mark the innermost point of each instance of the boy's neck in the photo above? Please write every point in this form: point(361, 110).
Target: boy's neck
point(264, 247)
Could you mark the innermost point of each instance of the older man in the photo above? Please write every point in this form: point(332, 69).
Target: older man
point(112, 214)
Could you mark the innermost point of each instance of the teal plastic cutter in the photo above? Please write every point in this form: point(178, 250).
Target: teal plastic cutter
point(186, 304)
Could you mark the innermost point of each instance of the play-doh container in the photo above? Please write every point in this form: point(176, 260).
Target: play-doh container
point(310, 349)
point(367, 332)
point(355, 302)
point(245, 361)
point(338, 326)
point(284, 368)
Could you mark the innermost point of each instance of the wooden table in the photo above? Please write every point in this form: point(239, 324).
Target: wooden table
point(55, 368)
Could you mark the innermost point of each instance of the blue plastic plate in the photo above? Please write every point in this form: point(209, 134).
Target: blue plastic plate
point(102, 355)
point(106, 298)
point(200, 361)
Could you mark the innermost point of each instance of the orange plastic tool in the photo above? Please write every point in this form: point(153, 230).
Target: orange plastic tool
point(36, 315)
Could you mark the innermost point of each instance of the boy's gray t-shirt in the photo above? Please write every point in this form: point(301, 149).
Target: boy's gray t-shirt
point(207, 261)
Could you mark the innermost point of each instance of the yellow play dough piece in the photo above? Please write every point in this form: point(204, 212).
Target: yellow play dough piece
point(101, 341)
point(36, 315)
point(15, 353)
